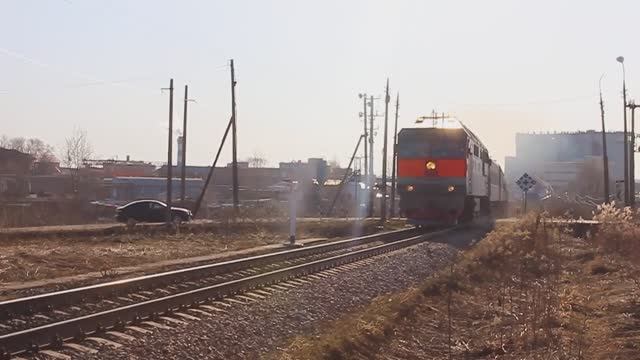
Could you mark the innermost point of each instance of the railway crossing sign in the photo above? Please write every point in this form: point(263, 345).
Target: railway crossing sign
point(526, 182)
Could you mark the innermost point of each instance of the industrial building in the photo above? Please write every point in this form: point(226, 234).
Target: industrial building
point(567, 161)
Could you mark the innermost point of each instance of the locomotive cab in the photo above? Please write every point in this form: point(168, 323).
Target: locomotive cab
point(432, 169)
point(445, 176)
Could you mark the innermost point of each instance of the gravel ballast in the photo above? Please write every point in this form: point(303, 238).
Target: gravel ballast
point(253, 330)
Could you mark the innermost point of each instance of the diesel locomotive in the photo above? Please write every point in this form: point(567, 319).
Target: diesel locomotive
point(446, 176)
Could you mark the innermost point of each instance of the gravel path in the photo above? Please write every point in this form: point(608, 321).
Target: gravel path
point(250, 331)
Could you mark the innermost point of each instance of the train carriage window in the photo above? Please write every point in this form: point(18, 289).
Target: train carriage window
point(476, 151)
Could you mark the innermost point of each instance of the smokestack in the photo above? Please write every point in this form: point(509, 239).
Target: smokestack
point(128, 158)
point(180, 150)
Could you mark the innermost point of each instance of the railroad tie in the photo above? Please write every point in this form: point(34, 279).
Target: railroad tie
point(138, 329)
point(213, 308)
point(232, 300)
point(103, 341)
point(301, 281)
point(246, 298)
point(141, 297)
point(156, 325)
point(256, 296)
point(173, 320)
point(187, 316)
point(55, 355)
point(79, 348)
point(201, 312)
point(293, 283)
point(121, 335)
point(221, 303)
point(262, 292)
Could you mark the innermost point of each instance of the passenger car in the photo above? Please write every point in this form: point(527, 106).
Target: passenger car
point(150, 211)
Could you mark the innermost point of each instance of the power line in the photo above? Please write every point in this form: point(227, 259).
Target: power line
point(534, 102)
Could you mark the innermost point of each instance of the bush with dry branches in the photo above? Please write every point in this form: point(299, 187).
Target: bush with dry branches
point(619, 229)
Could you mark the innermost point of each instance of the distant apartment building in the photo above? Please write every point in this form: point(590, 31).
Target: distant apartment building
point(566, 160)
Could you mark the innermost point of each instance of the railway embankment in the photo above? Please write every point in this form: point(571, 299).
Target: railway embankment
point(527, 290)
point(32, 264)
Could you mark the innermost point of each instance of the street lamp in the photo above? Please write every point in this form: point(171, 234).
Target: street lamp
point(627, 198)
point(605, 159)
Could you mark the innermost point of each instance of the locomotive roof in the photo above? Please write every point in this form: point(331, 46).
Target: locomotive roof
point(462, 127)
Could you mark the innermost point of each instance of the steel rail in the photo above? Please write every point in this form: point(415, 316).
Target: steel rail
point(46, 302)
point(54, 334)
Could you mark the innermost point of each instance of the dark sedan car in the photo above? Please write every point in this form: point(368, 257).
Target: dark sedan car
point(150, 211)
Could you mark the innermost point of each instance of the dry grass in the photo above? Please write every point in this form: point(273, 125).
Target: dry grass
point(44, 258)
point(527, 291)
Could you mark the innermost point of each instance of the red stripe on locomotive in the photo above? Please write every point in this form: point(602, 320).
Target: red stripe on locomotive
point(444, 167)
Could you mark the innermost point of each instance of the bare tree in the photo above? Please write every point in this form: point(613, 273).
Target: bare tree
point(4, 141)
point(18, 143)
point(77, 149)
point(257, 160)
point(40, 151)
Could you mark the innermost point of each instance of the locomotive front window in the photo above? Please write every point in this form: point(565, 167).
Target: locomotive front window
point(434, 149)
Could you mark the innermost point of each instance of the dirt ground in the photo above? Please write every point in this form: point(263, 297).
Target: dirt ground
point(23, 260)
point(524, 292)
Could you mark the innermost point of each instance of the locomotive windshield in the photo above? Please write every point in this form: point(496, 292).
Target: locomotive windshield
point(432, 143)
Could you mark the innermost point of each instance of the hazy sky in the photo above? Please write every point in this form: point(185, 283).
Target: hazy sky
point(499, 66)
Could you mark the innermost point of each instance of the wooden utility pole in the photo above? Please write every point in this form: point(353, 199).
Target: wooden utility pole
point(372, 177)
point(168, 216)
point(632, 155)
point(383, 207)
point(344, 178)
point(183, 160)
point(234, 138)
point(625, 134)
point(605, 159)
point(364, 116)
point(196, 208)
point(395, 155)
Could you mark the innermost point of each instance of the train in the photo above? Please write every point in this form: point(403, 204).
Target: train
point(445, 176)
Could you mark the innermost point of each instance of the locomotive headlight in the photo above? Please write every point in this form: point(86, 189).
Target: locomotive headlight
point(451, 188)
point(431, 165)
point(410, 188)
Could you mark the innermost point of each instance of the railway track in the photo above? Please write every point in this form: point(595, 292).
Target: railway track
point(44, 321)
